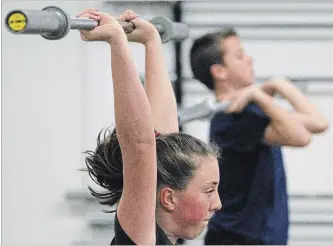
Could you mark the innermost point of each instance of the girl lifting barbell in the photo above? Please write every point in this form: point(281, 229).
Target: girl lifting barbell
point(165, 184)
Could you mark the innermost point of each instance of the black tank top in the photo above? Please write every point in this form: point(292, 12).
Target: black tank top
point(121, 237)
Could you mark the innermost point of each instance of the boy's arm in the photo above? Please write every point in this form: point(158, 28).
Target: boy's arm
point(306, 112)
point(283, 129)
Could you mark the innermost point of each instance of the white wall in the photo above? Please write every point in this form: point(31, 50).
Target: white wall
point(41, 134)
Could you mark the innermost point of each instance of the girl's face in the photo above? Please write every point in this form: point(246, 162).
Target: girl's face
point(196, 204)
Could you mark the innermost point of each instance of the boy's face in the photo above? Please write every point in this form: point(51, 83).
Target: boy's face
point(238, 67)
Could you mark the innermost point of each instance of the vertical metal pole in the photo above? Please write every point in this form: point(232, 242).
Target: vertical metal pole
point(177, 11)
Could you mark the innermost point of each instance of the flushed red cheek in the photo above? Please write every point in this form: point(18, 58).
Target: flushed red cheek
point(192, 210)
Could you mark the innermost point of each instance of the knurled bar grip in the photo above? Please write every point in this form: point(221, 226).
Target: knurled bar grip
point(86, 24)
point(53, 23)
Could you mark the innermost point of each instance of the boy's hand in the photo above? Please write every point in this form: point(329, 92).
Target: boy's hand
point(272, 86)
point(240, 99)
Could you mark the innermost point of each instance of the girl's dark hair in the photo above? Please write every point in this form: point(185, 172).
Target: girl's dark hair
point(177, 161)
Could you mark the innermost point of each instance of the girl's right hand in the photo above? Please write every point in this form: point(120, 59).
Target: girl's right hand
point(107, 30)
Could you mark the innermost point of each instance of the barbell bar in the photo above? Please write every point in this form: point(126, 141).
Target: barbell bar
point(202, 110)
point(53, 23)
